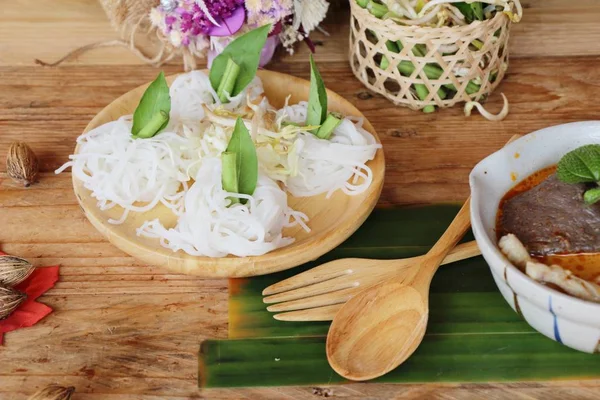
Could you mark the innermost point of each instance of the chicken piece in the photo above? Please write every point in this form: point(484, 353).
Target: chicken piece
point(565, 280)
point(516, 253)
point(514, 250)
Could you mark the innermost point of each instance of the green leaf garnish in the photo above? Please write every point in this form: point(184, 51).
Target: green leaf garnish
point(232, 71)
point(229, 174)
point(155, 104)
point(245, 53)
point(331, 122)
point(240, 162)
point(592, 196)
point(158, 121)
point(317, 99)
point(580, 165)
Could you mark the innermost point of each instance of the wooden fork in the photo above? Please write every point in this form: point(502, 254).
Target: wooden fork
point(317, 294)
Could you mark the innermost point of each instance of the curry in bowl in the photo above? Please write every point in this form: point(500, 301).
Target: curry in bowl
point(548, 225)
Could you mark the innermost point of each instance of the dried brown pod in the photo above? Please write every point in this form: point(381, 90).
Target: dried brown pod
point(22, 164)
point(53, 392)
point(10, 299)
point(14, 270)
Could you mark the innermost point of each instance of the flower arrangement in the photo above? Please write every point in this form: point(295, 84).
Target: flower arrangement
point(207, 26)
point(156, 31)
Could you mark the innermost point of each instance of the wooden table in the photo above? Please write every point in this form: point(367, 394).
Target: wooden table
point(123, 330)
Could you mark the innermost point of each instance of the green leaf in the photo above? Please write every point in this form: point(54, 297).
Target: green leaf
point(317, 98)
point(477, 10)
point(245, 52)
point(580, 165)
point(154, 125)
point(232, 71)
point(473, 335)
point(471, 11)
point(592, 196)
point(246, 160)
point(331, 122)
point(229, 174)
point(451, 358)
point(155, 102)
point(466, 10)
point(378, 10)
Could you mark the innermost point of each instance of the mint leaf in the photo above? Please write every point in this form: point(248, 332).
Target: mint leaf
point(580, 165)
point(155, 102)
point(246, 162)
point(317, 99)
point(592, 196)
point(243, 51)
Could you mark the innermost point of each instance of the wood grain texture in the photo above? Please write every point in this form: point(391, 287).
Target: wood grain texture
point(122, 330)
point(548, 28)
point(380, 327)
point(335, 282)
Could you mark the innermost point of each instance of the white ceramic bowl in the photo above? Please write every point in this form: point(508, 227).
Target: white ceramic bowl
point(570, 321)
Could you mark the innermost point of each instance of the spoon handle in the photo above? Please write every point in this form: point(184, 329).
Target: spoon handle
point(457, 229)
point(462, 252)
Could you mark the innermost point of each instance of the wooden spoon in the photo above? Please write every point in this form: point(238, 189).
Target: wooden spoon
point(380, 327)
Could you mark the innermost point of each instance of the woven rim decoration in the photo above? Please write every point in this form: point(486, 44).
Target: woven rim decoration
point(473, 74)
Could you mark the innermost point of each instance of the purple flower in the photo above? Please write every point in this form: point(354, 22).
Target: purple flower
point(170, 20)
point(189, 20)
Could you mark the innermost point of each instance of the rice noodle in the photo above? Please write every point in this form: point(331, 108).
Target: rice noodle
point(325, 166)
point(120, 170)
point(211, 226)
point(139, 174)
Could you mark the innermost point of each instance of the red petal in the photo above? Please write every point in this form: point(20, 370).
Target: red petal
point(28, 314)
point(39, 282)
point(31, 312)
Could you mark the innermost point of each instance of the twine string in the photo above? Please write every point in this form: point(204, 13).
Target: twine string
point(130, 18)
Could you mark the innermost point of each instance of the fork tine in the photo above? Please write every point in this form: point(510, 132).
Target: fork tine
point(312, 314)
point(327, 271)
point(327, 299)
point(315, 289)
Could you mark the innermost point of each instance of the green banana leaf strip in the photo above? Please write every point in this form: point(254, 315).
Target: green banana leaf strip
point(473, 335)
point(440, 358)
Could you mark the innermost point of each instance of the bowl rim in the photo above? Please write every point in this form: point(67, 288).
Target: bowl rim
point(494, 257)
point(238, 267)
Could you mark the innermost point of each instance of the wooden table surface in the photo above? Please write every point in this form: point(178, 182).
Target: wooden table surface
point(124, 330)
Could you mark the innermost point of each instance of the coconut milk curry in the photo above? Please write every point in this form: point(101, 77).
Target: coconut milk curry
point(549, 217)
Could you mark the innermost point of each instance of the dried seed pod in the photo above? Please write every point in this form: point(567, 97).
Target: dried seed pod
point(53, 392)
point(14, 270)
point(10, 299)
point(22, 164)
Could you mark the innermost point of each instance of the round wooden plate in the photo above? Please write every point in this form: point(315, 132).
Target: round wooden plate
point(331, 221)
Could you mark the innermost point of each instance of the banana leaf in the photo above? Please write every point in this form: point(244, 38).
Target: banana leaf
point(473, 335)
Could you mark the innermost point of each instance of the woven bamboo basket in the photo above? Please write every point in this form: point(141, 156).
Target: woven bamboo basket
point(435, 58)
